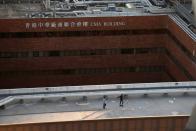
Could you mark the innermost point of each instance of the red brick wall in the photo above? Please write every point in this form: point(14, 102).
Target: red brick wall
point(98, 61)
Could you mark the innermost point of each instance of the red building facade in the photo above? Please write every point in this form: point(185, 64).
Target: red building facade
point(83, 51)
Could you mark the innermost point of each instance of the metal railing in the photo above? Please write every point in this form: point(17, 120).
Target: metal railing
point(11, 95)
point(183, 25)
point(183, 11)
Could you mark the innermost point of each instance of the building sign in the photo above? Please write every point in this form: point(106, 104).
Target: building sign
point(35, 25)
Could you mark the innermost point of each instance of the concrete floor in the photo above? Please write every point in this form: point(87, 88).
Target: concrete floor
point(134, 106)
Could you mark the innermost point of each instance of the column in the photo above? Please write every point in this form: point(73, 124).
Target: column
point(194, 9)
point(47, 4)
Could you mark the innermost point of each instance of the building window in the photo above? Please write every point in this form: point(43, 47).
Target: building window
point(127, 51)
point(142, 50)
point(35, 53)
point(54, 53)
point(84, 71)
point(23, 54)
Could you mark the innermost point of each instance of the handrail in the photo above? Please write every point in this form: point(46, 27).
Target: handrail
point(184, 12)
point(105, 90)
point(6, 100)
point(183, 25)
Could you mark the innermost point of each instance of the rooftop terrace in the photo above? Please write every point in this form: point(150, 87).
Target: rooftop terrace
point(86, 103)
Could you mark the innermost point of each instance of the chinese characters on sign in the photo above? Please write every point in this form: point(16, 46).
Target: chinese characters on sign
point(35, 25)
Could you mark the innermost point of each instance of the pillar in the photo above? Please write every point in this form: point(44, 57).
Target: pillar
point(191, 126)
point(194, 9)
point(47, 4)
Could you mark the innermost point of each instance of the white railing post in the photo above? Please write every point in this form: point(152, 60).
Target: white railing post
point(194, 10)
point(47, 4)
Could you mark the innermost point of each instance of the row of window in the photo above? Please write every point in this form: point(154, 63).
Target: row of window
point(183, 48)
point(84, 71)
point(81, 52)
point(81, 33)
point(180, 66)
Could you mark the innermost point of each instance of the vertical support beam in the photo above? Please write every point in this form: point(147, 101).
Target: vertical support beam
point(194, 9)
point(47, 4)
point(191, 126)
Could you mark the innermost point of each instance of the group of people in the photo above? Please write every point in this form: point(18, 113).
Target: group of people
point(121, 97)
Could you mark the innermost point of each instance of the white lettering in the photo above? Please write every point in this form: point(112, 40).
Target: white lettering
point(73, 24)
point(79, 24)
point(114, 24)
point(66, 24)
point(53, 24)
point(95, 24)
point(85, 24)
point(40, 24)
point(27, 25)
point(60, 24)
point(47, 24)
point(34, 25)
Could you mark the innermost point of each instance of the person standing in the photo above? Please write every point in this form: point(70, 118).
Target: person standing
point(121, 100)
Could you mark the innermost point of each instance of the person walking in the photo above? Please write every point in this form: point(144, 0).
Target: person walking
point(121, 100)
point(104, 102)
